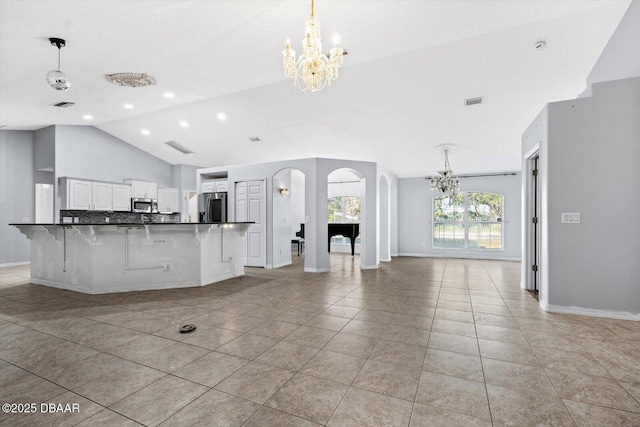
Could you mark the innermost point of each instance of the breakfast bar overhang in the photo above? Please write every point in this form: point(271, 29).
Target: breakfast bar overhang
point(107, 258)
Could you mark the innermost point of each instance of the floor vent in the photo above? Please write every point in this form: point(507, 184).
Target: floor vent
point(473, 101)
point(181, 148)
point(63, 104)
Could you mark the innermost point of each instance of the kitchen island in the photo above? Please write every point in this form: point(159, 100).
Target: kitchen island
point(105, 258)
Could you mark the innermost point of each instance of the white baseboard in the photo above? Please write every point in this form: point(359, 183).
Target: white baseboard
point(282, 264)
point(368, 267)
point(14, 264)
point(622, 315)
point(316, 270)
point(465, 256)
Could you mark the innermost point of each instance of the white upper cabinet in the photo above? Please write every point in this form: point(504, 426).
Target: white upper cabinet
point(78, 195)
point(101, 196)
point(214, 186)
point(168, 200)
point(144, 189)
point(88, 195)
point(121, 197)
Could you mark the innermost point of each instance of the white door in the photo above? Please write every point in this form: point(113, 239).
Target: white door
point(251, 205)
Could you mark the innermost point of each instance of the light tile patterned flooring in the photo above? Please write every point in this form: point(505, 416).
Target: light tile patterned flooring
point(419, 342)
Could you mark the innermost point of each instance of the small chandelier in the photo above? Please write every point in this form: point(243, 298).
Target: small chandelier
point(56, 78)
point(445, 182)
point(313, 70)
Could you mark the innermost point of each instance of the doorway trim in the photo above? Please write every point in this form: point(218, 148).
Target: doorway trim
point(528, 212)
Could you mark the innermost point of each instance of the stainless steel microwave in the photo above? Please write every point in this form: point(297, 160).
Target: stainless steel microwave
point(140, 205)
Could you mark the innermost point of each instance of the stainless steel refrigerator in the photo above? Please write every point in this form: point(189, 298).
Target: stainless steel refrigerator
point(212, 207)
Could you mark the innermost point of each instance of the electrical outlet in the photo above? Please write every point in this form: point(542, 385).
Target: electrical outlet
point(25, 220)
point(570, 218)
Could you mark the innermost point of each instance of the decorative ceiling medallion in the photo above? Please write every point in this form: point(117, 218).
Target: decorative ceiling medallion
point(131, 79)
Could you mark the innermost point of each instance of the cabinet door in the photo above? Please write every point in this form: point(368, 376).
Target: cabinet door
point(122, 198)
point(151, 190)
point(168, 200)
point(208, 187)
point(102, 198)
point(78, 195)
point(174, 201)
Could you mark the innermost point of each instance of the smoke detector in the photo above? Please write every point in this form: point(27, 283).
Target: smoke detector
point(131, 79)
point(539, 45)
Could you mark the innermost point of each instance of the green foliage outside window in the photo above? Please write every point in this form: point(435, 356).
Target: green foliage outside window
point(343, 209)
point(468, 221)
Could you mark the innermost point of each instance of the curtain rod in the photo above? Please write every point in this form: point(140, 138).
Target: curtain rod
point(479, 175)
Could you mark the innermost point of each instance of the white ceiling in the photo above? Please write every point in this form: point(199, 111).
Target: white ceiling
point(400, 92)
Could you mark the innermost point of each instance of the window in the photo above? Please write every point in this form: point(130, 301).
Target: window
point(468, 221)
point(343, 209)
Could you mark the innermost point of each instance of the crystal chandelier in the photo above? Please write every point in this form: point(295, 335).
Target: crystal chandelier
point(313, 70)
point(445, 182)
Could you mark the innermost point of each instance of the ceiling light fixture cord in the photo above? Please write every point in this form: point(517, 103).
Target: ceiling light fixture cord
point(313, 70)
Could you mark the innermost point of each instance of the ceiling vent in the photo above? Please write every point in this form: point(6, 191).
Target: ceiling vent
point(131, 79)
point(254, 139)
point(473, 101)
point(181, 148)
point(63, 104)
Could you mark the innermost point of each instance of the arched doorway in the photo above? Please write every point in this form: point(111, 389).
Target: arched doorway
point(346, 213)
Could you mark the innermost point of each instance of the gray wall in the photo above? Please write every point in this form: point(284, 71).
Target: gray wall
point(415, 232)
point(621, 57)
point(17, 191)
point(89, 153)
point(593, 157)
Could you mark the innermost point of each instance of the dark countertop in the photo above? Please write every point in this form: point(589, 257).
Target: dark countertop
point(127, 224)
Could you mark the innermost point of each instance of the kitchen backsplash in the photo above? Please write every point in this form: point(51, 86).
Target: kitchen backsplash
point(97, 217)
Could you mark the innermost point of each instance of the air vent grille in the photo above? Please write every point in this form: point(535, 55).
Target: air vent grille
point(254, 139)
point(473, 101)
point(63, 104)
point(181, 148)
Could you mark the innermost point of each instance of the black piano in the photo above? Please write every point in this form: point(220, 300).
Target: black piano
point(347, 230)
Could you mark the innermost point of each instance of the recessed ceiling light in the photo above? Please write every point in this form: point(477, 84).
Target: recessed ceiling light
point(145, 132)
point(169, 95)
point(184, 124)
point(222, 116)
point(87, 117)
point(128, 106)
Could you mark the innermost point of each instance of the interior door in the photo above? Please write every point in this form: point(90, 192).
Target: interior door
point(250, 205)
point(535, 222)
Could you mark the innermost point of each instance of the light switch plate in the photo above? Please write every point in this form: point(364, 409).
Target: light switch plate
point(307, 219)
point(570, 218)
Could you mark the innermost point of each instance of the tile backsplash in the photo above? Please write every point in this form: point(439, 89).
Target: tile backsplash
point(98, 217)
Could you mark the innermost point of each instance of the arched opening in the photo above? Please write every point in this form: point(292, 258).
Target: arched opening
point(384, 230)
point(346, 213)
point(288, 218)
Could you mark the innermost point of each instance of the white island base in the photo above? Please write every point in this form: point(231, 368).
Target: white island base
point(107, 258)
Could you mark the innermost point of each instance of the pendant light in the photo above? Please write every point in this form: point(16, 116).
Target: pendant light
point(56, 78)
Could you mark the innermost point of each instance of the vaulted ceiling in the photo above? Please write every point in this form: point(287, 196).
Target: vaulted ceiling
point(399, 95)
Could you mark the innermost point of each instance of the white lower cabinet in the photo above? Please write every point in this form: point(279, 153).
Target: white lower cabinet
point(168, 200)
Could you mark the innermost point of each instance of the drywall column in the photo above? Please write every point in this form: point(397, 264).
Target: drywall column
point(316, 258)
